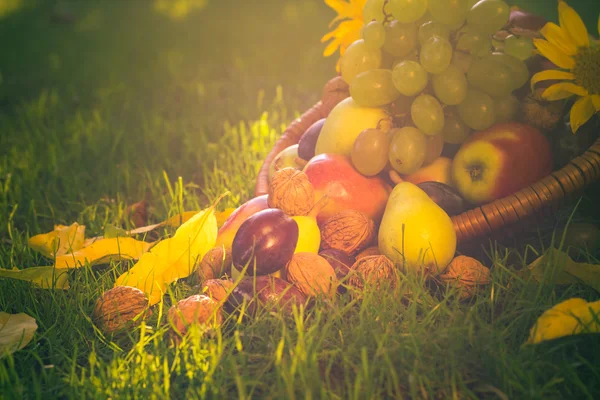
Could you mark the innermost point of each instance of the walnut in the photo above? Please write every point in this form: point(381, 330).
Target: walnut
point(215, 263)
point(348, 230)
point(217, 289)
point(372, 271)
point(291, 191)
point(196, 309)
point(311, 274)
point(467, 274)
point(540, 113)
point(334, 92)
point(369, 251)
point(119, 308)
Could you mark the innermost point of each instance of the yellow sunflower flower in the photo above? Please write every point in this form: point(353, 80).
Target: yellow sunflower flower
point(569, 47)
point(348, 30)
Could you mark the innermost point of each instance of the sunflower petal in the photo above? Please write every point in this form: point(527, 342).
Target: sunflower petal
point(563, 90)
point(596, 101)
point(558, 37)
point(343, 9)
point(332, 47)
point(553, 53)
point(581, 112)
point(551, 74)
point(571, 22)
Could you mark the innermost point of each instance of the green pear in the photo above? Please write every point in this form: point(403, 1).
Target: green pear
point(415, 232)
point(343, 125)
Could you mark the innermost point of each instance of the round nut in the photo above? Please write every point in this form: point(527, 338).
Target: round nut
point(215, 263)
point(369, 251)
point(348, 230)
point(291, 191)
point(217, 289)
point(118, 308)
point(467, 274)
point(372, 271)
point(196, 309)
point(311, 274)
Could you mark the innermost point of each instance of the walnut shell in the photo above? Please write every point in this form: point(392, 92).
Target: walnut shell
point(372, 271)
point(215, 263)
point(540, 113)
point(334, 92)
point(311, 274)
point(291, 191)
point(467, 274)
point(348, 230)
point(196, 309)
point(217, 289)
point(118, 308)
point(369, 251)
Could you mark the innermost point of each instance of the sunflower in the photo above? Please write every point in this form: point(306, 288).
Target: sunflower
point(348, 30)
point(570, 48)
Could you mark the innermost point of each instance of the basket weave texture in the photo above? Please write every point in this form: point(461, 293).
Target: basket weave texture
point(529, 205)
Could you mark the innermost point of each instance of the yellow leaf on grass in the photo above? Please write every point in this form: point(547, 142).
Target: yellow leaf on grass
point(173, 258)
point(571, 317)
point(43, 277)
point(62, 240)
point(16, 331)
point(104, 250)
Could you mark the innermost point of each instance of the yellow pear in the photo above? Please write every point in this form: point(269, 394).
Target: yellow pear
point(415, 232)
point(343, 125)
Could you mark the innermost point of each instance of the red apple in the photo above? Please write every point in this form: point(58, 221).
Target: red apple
point(242, 213)
point(440, 170)
point(500, 160)
point(334, 175)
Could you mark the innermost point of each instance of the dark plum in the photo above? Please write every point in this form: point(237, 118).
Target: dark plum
point(269, 237)
point(264, 291)
point(445, 196)
point(308, 141)
point(341, 262)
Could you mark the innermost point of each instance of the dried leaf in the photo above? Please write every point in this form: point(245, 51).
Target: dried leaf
point(43, 277)
point(104, 250)
point(112, 231)
point(571, 317)
point(62, 240)
point(16, 331)
point(173, 258)
point(557, 267)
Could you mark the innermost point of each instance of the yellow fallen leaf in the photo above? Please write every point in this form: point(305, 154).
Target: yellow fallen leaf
point(43, 277)
point(62, 240)
point(571, 317)
point(223, 215)
point(173, 258)
point(16, 331)
point(104, 250)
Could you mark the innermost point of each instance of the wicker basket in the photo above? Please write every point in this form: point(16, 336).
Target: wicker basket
point(514, 212)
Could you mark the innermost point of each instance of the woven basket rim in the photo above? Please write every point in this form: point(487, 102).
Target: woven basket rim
point(537, 201)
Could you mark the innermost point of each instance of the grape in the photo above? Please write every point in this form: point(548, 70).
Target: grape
point(462, 61)
point(473, 42)
point(400, 39)
point(373, 88)
point(518, 69)
point(374, 34)
point(409, 77)
point(506, 108)
point(435, 146)
point(436, 54)
point(407, 150)
point(373, 10)
point(450, 87)
point(430, 28)
point(455, 130)
point(359, 58)
point(488, 16)
point(477, 110)
point(427, 114)
point(448, 12)
point(491, 76)
point(370, 151)
point(400, 107)
point(408, 10)
point(518, 47)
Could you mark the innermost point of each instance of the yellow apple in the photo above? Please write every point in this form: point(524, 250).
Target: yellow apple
point(440, 170)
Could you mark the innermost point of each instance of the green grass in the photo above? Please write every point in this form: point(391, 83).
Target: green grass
point(114, 108)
